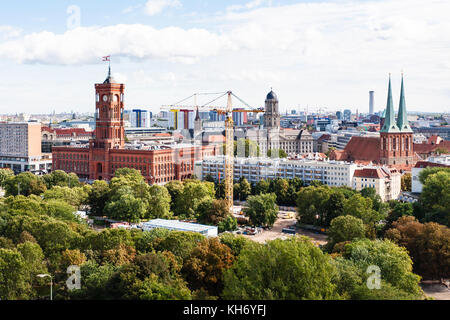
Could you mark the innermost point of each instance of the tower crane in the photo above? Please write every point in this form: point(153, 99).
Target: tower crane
point(229, 132)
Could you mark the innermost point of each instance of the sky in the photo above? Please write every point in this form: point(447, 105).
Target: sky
point(324, 54)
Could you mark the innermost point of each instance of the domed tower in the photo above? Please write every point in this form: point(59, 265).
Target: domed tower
point(272, 114)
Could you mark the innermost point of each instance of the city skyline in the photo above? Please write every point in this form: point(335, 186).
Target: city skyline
point(54, 58)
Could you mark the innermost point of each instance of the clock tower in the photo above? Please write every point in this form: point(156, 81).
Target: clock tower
point(109, 126)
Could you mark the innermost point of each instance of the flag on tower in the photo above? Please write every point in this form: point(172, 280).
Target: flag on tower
point(107, 58)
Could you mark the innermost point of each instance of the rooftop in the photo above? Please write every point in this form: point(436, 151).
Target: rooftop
point(177, 225)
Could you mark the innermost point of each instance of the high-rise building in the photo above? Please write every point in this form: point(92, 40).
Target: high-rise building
point(347, 115)
point(20, 147)
point(239, 118)
point(140, 118)
point(371, 101)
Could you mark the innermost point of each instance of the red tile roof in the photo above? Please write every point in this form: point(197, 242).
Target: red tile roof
point(426, 164)
point(363, 149)
point(434, 140)
point(427, 148)
point(374, 173)
point(68, 131)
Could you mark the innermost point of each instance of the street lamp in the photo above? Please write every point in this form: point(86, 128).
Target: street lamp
point(51, 283)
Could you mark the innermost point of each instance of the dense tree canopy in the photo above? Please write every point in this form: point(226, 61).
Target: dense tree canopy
point(292, 269)
point(262, 210)
point(25, 184)
point(428, 244)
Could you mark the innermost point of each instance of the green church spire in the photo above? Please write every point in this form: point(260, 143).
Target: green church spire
point(389, 122)
point(402, 120)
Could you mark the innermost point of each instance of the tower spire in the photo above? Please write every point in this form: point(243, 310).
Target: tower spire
point(402, 120)
point(389, 122)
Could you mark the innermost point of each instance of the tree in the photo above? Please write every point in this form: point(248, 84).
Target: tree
point(280, 270)
point(98, 197)
point(14, 276)
point(320, 205)
point(361, 207)
point(175, 188)
point(205, 266)
point(5, 174)
point(153, 276)
point(406, 182)
point(262, 210)
point(73, 196)
point(394, 263)
point(228, 224)
point(345, 228)
point(61, 179)
point(435, 197)
point(377, 203)
point(159, 203)
point(59, 209)
point(399, 210)
point(244, 189)
point(213, 212)
point(235, 242)
point(194, 192)
point(25, 183)
point(262, 187)
point(126, 208)
point(179, 243)
point(428, 245)
point(280, 187)
point(128, 172)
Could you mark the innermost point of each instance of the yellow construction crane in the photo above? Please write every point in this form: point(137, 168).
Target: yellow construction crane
point(229, 134)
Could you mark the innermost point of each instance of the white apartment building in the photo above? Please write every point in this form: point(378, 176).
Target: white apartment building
point(20, 147)
point(332, 173)
point(386, 182)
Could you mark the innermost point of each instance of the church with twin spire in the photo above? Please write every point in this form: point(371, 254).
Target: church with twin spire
point(396, 137)
point(394, 147)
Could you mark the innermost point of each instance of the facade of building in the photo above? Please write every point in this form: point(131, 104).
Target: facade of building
point(20, 147)
point(332, 173)
point(386, 182)
point(107, 151)
point(63, 137)
point(140, 118)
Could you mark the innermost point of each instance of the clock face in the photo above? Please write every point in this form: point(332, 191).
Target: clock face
point(105, 98)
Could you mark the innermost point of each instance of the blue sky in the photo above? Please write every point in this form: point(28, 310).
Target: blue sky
point(320, 54)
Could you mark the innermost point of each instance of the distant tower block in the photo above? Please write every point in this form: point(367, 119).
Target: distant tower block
point(371, 101)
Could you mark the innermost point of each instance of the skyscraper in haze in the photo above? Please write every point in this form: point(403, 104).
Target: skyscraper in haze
point(371, 101)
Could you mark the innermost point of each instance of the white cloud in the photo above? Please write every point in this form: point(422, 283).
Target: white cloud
point(153, 7)
point(9, 32)
point(344, 48)
point(88, 45)
point(249, 5)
